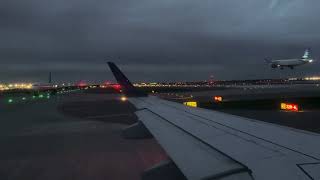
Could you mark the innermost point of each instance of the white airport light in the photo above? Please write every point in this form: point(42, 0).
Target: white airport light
point(123, 98)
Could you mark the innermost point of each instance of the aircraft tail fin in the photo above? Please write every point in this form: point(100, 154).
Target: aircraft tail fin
point(306, 54)
point(50, 78)
point(126, 86)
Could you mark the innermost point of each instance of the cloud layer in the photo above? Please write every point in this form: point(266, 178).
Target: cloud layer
point(226, 38)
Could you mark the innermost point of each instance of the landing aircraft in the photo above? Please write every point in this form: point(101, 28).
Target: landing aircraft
point(206, 144)
point(291, 63)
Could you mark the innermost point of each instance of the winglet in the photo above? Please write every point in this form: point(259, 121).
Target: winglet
point(126, 85)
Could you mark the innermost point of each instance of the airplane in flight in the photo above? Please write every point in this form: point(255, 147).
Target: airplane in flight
point(205, 144)
point(291, 63)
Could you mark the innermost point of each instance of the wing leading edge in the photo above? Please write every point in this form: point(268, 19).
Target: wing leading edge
point(207, 144)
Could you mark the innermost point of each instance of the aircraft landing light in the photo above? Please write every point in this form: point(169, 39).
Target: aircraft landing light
point(191, 103)
point(289, 107)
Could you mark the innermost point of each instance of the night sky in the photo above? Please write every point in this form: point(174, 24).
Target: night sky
point(155, 40)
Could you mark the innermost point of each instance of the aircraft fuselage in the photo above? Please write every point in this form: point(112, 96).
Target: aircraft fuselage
point(289, 63)
point(281, 63)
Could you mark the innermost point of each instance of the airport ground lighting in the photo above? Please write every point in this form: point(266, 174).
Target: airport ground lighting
point(4, 87)
point(123, 98)
point(313, 78)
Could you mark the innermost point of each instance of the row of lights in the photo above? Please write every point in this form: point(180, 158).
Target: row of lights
point(4, 87)
point(314, 78)
point(283, 106)
point(40, 96)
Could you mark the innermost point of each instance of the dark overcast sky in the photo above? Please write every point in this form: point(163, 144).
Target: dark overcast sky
point(156, 40)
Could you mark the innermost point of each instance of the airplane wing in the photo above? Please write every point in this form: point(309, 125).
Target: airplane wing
point(206, 144)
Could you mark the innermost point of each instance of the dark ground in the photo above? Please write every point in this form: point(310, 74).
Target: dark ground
point(111, 111)
point(38, 142)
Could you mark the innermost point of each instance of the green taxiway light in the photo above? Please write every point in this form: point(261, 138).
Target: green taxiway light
point(33, 97)
point(41, 96)
point(10, 100)
point(48, 97)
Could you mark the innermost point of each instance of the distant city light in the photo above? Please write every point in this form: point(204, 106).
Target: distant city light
point(4, 87)
point(313, 78)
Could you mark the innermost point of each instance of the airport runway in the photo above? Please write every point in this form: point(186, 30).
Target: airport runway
point(253, 92)
point(39, 142)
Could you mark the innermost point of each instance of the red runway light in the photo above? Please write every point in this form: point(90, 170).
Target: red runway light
point(81, 84)
point(117, 87)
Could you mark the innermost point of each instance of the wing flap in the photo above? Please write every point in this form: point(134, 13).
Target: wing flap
point(195, 158)
point(311, 169)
